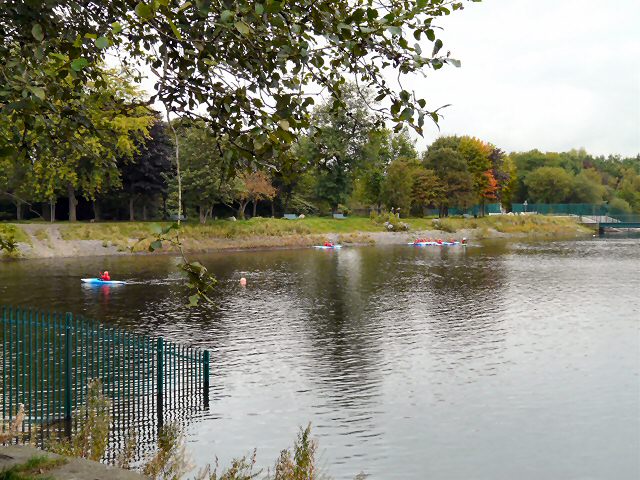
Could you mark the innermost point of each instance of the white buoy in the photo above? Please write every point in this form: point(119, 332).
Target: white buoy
point(243, 282)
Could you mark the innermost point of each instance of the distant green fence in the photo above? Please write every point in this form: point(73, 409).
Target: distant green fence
point(49, 358)
point(589, 213)
point(560, 208)
point(474, 210)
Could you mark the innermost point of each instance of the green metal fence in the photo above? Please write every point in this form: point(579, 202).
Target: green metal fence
point(475, 210)
point(49, 358)
point(560, 208)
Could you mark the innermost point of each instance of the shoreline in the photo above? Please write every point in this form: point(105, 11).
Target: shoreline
point(60, 240)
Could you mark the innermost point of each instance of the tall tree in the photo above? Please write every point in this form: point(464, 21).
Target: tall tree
point(451, 169)
point(245, 63)
point(549, 185)
point(397, 185)
point(477, 155)
point(259, 187)
point(338, 140)
point(145, 176)
point(206, 175)
point(426, 189)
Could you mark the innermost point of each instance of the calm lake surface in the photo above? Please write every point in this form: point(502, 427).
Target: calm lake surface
point(499, 361)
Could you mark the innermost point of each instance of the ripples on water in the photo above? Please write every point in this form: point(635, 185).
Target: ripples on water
point(496, 362)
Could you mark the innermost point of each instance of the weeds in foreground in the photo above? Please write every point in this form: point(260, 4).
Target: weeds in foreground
point(171, 461)
point(32, 469)
point(92, 437)
point(13, 429)
point(302, 466)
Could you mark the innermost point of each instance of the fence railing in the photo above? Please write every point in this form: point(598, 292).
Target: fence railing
point(49, 358)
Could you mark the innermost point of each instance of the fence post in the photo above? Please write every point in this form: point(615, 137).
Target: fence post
point(67, 372)
point(160, 380)
point(205, 373)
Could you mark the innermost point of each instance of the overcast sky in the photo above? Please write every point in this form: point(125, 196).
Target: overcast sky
point(546, 74)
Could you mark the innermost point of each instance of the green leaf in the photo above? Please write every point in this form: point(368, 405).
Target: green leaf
point(422, 3)
point(431, 35)
point(37, 32)
point(155, 245)
point(116, 27)
point(38, 92)
point(102, 42)
point(395, 30)
point(284, 124)
point(194, 299)
point(157, 229)
point(436, 47)
point(407, 114)
point(454, 62)
point(79, 63)
point(243, 28)
point(175, 30)
point(144, 11)
point(226, 16)
point(259, 8)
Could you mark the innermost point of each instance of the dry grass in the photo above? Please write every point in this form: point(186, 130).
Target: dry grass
point(520, 224)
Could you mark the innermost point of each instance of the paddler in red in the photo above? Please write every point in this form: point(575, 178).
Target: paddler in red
point(105, 276)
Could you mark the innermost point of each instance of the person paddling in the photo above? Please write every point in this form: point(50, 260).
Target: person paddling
point(328, 244)
point(105, 276)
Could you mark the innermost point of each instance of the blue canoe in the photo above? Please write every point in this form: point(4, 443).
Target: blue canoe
point(325, 247)
point(97, 281)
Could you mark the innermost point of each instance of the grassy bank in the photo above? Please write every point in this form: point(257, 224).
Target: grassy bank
point(107, 238)
point(275, 227)
point(8, 230)
point(513, 224)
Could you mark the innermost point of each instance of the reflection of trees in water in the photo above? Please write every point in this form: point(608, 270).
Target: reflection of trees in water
point(343, 339)
point(466, 301)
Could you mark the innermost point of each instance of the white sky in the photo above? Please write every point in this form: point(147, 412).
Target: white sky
point(546, 74)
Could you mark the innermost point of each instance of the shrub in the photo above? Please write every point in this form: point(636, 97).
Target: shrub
point(92, 436)
point(390, 221)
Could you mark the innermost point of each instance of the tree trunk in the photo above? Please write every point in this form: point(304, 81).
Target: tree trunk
point(96, 210)
point(287, 198)
point(255, 205)
point(203, 214)
point(73, 203)
point(52, 209)
point(132, 215)
point(18, 205)
point(243, 206)
point(144, 212)
point(273, 209)
point(210, 212)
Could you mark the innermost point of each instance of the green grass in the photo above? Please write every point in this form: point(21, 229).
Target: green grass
point(33, 469)
point(10, 230)
point(296, 232)
point(41, 234)
point(525, 224)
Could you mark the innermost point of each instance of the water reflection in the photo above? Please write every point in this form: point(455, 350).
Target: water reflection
point(484, 362)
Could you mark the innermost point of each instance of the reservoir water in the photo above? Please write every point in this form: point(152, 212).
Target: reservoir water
point(499, 361)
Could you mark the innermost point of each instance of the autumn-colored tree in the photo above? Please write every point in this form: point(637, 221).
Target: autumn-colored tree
point(491, 186)
point(255, 186)
point(427, 188)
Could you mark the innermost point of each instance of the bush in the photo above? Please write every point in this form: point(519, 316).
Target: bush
point(618, 205)
point(391, 222)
